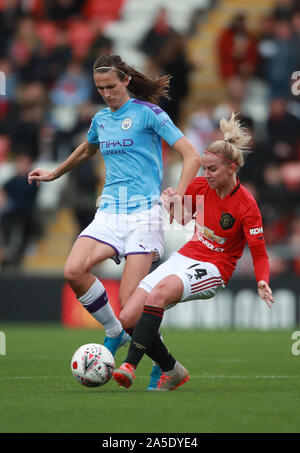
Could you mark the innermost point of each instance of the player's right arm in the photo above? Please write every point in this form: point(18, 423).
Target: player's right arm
point(83, 152)
point(183, 208)
point(176, 207)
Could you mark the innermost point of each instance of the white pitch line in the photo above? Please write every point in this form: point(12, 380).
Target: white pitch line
point(34, 377)
point(204, 376)
point(223, 376)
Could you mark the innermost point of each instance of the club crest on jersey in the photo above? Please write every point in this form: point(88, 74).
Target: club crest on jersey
point(127, 123)
point(208, 234)
point(226, 221)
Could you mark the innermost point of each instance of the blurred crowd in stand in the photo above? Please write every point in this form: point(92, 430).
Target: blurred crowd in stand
point(47, 50)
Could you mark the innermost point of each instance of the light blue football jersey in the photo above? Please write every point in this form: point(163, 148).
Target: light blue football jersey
point(130, 143)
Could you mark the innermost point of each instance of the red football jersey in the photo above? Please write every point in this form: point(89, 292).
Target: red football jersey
point(222, 228)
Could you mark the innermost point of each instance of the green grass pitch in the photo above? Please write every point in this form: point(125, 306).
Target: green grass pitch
point(242, 381)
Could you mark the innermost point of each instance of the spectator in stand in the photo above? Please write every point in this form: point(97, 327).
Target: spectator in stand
point(157, 35)
point(257, 158)
point(290, 174)
point(85, 201)
point(294, 243)
point(62, 10)
point(166, 52)
point(82, 191)
point(283, 132)
point(61, 55)
point(279, 64)
point(26, 117)
point(283, 9)
point(72, 87)
point(236, 96)
point(17, 205)
point(172, 60)
point(10, 13)
point(295, 40)
point(237, 50)
point(23, 47)
point(275, 215)
point(200, 126)
point(266, 45)
point(102, 45)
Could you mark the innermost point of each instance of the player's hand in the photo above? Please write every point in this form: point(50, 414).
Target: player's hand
point(265, 293)
point(171, 200)
point(38, 175)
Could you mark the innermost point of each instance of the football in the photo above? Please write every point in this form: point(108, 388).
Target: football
point(92, 365)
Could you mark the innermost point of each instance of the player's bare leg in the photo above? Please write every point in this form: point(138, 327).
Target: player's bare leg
point(131, 312)
point(85, 254)
point(136, 268)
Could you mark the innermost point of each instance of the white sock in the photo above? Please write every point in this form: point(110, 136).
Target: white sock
point(96, 302)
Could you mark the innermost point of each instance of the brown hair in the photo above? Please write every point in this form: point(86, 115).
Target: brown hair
point(234, 145)
point(142, 87)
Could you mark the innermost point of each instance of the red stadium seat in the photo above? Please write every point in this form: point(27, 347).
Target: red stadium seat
point(106, 10)
point(46, 31)
point(80, 37)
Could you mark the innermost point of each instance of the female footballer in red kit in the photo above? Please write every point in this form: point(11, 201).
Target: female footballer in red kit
point(225, 221)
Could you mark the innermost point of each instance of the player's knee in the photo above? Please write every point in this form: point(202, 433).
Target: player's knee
point(158, 296)
point(71, 273)
point(127, 320)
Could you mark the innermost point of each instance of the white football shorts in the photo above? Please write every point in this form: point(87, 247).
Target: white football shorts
point(129, 234)
point(201, 280)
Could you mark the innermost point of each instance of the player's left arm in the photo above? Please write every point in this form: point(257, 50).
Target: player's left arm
point(265, 292)
point(262, 271)
point(253, 231)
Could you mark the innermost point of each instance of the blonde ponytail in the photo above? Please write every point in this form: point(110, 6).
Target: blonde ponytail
point(234, 146)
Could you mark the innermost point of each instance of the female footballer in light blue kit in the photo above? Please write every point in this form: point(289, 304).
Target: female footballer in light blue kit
point(128, 221)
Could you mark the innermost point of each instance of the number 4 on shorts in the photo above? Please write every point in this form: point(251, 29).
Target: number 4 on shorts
point(199, 273)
